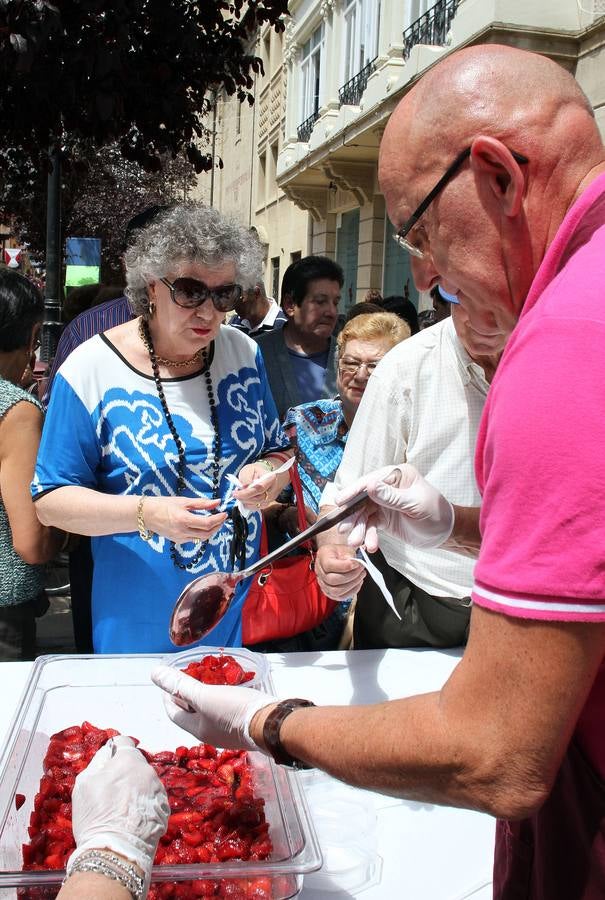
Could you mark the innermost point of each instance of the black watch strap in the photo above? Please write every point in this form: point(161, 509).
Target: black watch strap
point(272, 728)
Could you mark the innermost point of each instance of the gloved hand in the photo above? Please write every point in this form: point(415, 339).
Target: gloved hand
point(119, 804)
point(222, 713)
point(403, 504)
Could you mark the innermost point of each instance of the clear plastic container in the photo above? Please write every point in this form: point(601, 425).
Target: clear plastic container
point(345, 820)
point(116, 692)
point(250, 662)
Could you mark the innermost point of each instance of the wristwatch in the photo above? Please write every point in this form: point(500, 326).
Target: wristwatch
point(272, 728)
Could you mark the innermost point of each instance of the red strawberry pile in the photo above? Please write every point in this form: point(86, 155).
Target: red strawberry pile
point(218, 670)
point(214, 814)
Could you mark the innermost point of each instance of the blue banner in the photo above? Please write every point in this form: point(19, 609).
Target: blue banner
point(83, 251)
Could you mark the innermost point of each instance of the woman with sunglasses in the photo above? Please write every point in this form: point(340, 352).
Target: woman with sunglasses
point(25, 544)
point(148, 421)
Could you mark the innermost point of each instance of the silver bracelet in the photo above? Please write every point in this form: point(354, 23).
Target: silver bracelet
point(104, 862)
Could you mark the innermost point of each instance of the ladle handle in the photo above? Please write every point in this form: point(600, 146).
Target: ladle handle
point(323, 524)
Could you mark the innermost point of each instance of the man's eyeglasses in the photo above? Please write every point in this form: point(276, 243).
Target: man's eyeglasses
point(350, 366)
point(189, 293)
point(401, 235)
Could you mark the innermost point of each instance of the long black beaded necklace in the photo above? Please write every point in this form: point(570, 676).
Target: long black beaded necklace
point(216, 440)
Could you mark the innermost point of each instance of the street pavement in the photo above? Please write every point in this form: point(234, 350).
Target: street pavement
point(55, 633)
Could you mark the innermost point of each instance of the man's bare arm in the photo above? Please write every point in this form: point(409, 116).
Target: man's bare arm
point(465, 537)
point(492, 739)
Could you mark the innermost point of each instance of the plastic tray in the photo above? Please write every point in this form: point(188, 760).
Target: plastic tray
point(116, 692)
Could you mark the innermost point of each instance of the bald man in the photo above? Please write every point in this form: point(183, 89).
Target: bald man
point(506, 211)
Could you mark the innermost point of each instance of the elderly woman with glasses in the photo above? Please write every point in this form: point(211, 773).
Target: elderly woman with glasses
point(148, 421)
point(319, 430)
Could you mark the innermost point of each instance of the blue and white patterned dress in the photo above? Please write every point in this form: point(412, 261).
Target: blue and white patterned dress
point(105, 429)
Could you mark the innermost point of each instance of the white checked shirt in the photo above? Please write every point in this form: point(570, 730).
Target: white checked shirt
point(422, 405)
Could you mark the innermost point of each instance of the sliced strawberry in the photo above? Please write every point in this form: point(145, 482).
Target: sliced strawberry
point(218, 670)
point(214, 813)
point(193, 837)
point(74, 732)
point(260, 889)
point(233, 847)
point(188, 818)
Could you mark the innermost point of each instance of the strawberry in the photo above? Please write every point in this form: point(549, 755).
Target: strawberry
point(260, 889)
point(222, 669)
point(214, 813)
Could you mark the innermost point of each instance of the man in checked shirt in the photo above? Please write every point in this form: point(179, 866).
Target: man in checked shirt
point(422, 405)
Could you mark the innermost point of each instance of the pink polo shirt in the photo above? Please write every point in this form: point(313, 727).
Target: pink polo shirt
point(540, 460)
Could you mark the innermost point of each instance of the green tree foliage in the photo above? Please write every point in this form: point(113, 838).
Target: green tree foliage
point(122, 88)
point(100, 201)
point(101, 191)
point(136, 73)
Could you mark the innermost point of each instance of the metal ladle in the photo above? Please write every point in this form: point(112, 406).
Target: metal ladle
point(205, 600)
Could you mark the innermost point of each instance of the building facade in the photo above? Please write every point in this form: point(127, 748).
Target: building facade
point(301, 164)
point(248, 141)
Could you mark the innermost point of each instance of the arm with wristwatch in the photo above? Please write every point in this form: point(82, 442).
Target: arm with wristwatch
point(434, 747)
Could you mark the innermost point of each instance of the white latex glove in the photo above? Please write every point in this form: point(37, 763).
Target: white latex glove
point(404, 505)
point(222, 713)
point(119, 804)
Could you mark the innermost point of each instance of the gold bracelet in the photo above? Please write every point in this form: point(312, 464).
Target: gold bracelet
point(267, 463)
point(144, 532)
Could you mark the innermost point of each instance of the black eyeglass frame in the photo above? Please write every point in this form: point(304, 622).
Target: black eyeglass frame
point(401, 234)
point(213, 294)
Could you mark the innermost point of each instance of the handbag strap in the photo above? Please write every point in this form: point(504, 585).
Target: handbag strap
point(264, 541)
point(300, 507)
point(300, 502)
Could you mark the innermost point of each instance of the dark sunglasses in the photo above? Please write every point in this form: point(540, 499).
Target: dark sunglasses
point(189, 293)
point(401, 235)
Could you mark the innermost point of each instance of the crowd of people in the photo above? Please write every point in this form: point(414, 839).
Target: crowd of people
point(161, 394)
point(476, 440)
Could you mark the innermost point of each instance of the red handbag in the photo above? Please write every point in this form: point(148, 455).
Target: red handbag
point(285, 599)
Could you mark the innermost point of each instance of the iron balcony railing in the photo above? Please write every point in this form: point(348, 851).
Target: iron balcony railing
point(431, 28)
point(351, 92)
point(304, 130)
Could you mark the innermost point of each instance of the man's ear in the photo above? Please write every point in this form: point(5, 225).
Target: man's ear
point(288, 305)
point(498, 173)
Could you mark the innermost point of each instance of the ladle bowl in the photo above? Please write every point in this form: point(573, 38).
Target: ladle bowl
point(205, 600)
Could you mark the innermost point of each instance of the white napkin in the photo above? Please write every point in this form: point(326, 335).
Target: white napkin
point(236, 483)
point(378, 577)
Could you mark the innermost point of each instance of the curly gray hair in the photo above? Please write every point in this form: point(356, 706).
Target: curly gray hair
point(189, 232)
